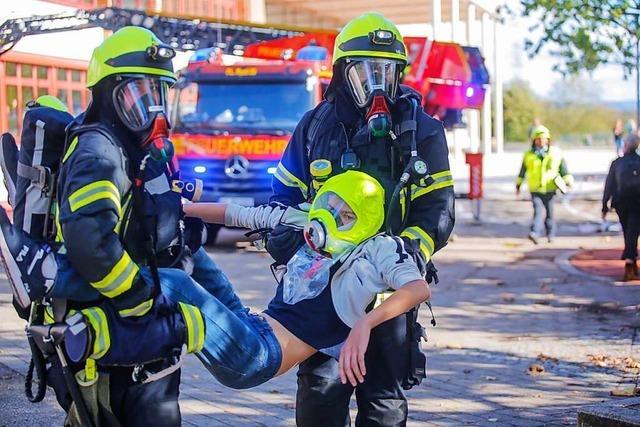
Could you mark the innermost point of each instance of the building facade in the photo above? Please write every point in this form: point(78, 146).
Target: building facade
point(26, 73)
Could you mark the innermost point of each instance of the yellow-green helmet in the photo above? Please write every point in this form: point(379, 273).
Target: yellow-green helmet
point(49, 101)
point(131, 50)
point(348, 209)
point(370, 35)
point(540, 132)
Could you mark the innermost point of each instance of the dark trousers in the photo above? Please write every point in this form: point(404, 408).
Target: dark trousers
point(543, 202)
point(323, 401)
point(630, 220)
point(133, 405)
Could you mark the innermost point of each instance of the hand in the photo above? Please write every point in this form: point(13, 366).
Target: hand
point(283, 242)
point(296, 216)
point(351, 362)
point(517, 190)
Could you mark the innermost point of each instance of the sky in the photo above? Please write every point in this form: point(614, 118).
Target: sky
point(538, 71)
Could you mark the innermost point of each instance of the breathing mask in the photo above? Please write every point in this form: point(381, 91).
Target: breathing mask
point(141, 105)
point(373, 83)
point(348, 209)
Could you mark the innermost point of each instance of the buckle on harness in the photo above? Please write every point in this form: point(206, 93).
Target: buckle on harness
point(140, 375)
point(43, 176)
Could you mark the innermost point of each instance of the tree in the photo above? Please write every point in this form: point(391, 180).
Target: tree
point(585, 33)
point(520, 108)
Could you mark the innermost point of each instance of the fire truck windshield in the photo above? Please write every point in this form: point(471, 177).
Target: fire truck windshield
point(245, 107)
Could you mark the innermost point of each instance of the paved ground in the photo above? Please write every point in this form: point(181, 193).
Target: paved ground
point(522, 337)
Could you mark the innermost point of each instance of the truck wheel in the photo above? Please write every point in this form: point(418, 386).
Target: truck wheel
point(212, 233)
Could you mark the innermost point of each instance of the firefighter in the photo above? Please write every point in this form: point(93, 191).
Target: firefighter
point(546, 171)
point(367, 122)
point(120, 218)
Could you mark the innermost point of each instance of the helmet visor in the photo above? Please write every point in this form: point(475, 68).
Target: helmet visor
point(340, 210)
point(137, 100)
point(366, 75)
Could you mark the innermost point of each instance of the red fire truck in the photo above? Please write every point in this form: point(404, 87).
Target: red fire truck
point(232, 118)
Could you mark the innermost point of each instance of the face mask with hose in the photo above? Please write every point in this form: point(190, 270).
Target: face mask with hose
point(373, 84)
point(348, 209)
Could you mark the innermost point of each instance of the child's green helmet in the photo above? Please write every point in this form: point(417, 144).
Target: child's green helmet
point(348, 209)
point(131, 50)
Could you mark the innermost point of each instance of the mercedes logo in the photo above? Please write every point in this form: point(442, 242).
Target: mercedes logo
point(236, 167)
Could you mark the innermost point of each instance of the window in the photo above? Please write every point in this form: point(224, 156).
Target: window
point(27, 94)
point(62, 74)
point(76, 99)
point(42, 91)
point(42, 73)
point(62, 95)
point(10, 69)
point(76, 75)
point(26, 70)
point(12, 109)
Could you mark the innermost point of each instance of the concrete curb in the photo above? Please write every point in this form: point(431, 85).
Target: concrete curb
point(619, 413)
point(563, 261)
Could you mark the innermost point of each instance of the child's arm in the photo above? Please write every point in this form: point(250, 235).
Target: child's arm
point(399, 271)
point(253, 218)
point(351, 363)
point(208, 212)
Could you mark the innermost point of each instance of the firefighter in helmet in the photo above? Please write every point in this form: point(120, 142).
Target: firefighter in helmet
point(369, 122)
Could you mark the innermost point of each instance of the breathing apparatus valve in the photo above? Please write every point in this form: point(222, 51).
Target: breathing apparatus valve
point(157, 142)
point(378, 116)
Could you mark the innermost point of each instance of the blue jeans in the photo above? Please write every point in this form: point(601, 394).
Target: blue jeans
point(543, 202)
point(240, 348)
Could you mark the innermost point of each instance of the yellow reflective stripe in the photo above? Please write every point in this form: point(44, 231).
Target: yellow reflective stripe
point(98, 321)
point(93, 192)
point(48, 315)
point(426, 242)
point(90, 369)
point(440, 180)
point(289, 179)
point(441, 174)
point(70, 150)
point(127, 199)
point(119, 279)
point(139, 310)
point(195, 327)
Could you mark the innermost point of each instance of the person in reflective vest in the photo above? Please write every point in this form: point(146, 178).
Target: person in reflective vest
point(546, 171)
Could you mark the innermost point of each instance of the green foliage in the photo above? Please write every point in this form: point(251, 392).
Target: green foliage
point(568, 114)
point(520, 108)
point(585, 33)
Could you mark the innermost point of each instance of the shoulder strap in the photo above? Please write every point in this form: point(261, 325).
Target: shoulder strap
point(315, 124)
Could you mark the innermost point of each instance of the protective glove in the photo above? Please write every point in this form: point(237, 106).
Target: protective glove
point(193, 233)
point(283, 242)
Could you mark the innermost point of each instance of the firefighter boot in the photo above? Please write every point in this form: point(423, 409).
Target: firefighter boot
point(628, 271)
